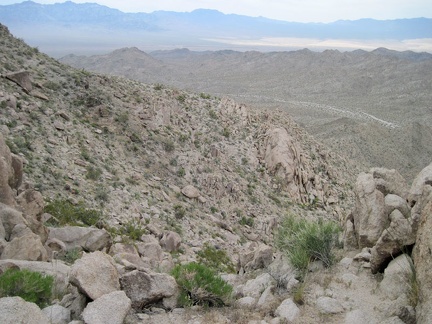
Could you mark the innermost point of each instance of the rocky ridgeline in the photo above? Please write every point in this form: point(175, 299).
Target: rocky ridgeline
point(188, 171)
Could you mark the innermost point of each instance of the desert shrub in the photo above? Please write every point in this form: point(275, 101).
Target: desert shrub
point(199, 285)
point(168, 145)
point(93, 173)
point(52, 85)
point(249, 221)
point(215, 259)
point(205, 95)
point(181, 98)
point(179, 211)
point(30, 286)
point(213, 114)
point(71, 255)
point(305, 241)
point(181, 172)
point(65, 213)
point(131, 230)
point(226, 132)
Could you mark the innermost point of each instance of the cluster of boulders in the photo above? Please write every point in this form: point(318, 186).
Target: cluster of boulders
point(391, 219)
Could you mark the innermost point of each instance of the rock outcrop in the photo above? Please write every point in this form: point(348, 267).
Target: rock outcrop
point(382, 219)
point(389, 219)
point(422, 255)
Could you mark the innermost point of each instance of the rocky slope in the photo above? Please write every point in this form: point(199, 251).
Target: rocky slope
point(372, 107)
point(181, 172)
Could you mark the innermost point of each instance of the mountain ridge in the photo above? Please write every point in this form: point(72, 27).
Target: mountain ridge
point(203, 28)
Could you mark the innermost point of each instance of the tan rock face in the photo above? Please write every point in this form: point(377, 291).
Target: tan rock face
point(21, 78)
point(25, 246)
point(170, 241)
point(145, 288)
point(7, 174)
point(95, 275)
point(369, 214)
point(423, 259)
point(86, 238)
point(280, 155)
point(17, 310)
point(190, 191)
point(110, 308)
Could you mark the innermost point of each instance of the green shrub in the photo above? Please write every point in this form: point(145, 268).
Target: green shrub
point(71, 255)
point(249, 221)
point(65, 213)
point(179, 211)
point(215, 259)
point(199, 285)
point(181, 172)
point(305, 241)
point(131, 230)
point(30, 286)
point(93, 173)
point(205, 95)
point(181, 98)
point(168, 145)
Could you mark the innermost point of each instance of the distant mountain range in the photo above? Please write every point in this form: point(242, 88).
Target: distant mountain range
point(72, 26)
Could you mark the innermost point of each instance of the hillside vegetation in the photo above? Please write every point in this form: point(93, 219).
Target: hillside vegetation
point(125, 202)
point(372, 107)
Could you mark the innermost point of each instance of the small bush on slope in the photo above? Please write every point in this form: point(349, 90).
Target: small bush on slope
point(66, 213)
point(305, 241)
point(215, 259)
point(30, 286)
point(200, 285)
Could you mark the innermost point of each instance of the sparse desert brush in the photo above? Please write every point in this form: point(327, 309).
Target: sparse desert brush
point(200, 285)
point(65, 213)
point(216, 259)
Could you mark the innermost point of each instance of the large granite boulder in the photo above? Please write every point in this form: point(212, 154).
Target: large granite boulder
point(88, 239)
point(95, 275)
point(110, 308)
point(146, 288)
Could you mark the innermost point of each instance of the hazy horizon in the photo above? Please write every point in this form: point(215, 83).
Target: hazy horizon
point(291, 10)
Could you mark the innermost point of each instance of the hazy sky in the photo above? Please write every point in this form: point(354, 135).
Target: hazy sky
point(289, 10)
